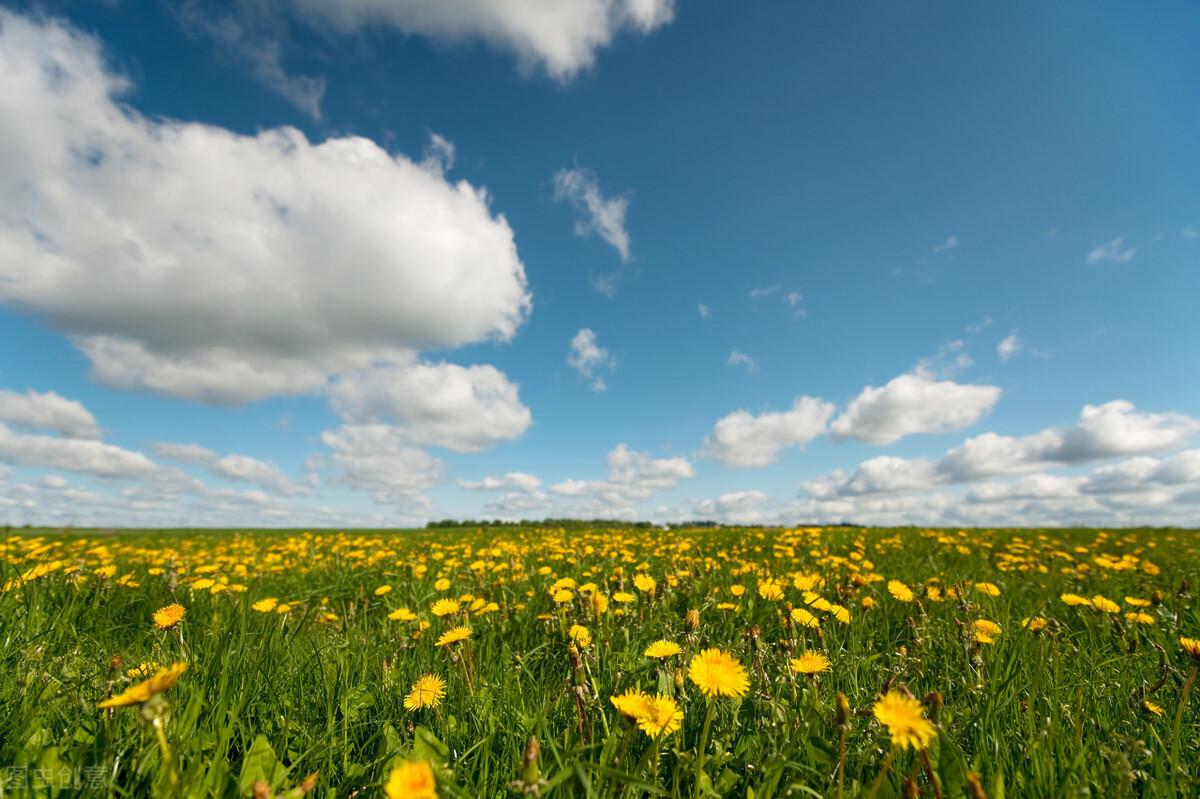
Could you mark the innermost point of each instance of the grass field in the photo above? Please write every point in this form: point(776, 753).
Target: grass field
point(1045, 663)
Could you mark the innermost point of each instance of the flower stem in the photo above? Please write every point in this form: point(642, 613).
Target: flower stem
point(704, 730)
point(165, 748)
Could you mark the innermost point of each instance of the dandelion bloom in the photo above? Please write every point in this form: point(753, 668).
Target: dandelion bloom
point(1036, 624)
point(1140, 617)
point(662, 649)
point(581, 635)
point(1138, 602)
point(770, 590)
point(136, 694)
point(1075, 600)
point(1153, 708)
point(402, 614)
point(412, 780)
point(624, 597)
point(168, 617)
point(383, 589)
point(840, 613)
point(644, 583)
point(737, 589)
point(660, 716)
point(804, 618)
point(1105, 604)
point(631, 703)
point(810, 662)
point(718, 673)
point(265, 605)
point(900, 591)
point(444, 607)
point(427, 691)
point(442, 585)
point(991, 589)
point(986, 627)
point(454, 635)
point(868, 602)
point(905, 720)
point(143, 669)
point(1191, 646)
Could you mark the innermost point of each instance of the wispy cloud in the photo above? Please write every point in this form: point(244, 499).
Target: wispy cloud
point(603, 216)
point(742, 359)
point(950, 243)
point(1114, 251)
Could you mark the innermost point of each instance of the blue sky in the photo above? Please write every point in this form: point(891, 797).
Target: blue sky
point(319, 264)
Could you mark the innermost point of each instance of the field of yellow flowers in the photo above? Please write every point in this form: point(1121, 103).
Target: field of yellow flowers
point(601, 662)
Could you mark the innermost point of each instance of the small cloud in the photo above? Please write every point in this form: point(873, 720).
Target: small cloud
point(981, 325)
point(742, 359)
point(604, 216)
point(763, 291)
point(793, 298)
point(587, 357)
point(607, 284)
point(1114, 251)
point(1191, 232)
point(1009, 346)
point(950, 243)
point(704, 312)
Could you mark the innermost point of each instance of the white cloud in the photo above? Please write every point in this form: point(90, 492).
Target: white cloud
point(1114, 251)
point(705, 313)
point(632, 477)
point(247, 38)
point(587, 357)
point(206, 264)
point(86, 456)
point(910, 404)
point(762, 292)
point(379, 460)
point(604, 216)
point(793, 298)
point(1191, 232)
point(512, 481)
point(950, 243)
point(238, 467)
point(745, 440)
point(742, 359)
point(464, 409)
point(1009, 346)
point(48, 411)
point(1114, 429)
point(560, 37)
point(734, 507)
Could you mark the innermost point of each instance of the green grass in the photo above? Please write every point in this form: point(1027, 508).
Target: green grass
point(275, 697)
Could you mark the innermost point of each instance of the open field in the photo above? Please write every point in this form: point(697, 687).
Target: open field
point(1046, 663)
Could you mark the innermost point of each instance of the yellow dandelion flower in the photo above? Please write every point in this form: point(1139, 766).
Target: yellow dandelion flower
point(168, 617)
point(660, 716)
point(991, 589)
point(662, 649)
point(645, 583)
point(737, 589)
point(1137, 602)
point(562, 596)
point(454, 635)
point(402, 614)
point(905, 720)
point(143, 669)
point(266, 605)
point(411, 780)
point(805, 619)
point(1139, 617)
point(718, 673)
point(444, 607)
point(900, 591)
point(427, 691)
point(770, 590)
point(383, 589)
point(1191, 646)
point(1035, 624)
point(624, 597)
point(1075, 600)
point(1153, 708)
point(840, 613)
point(160, 681)
point(868, 603)
point(631, 703)
point(986, 627)
point(581, 635)
point(810, 662)
point(1107, 605)
point(442, 584)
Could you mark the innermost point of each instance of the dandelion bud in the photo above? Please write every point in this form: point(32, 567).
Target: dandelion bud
point(1156, 597)
point(693, 620)
point(678, 679)
point(843, 710)
point(530, 773)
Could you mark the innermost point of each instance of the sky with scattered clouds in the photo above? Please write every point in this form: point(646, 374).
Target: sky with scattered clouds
point(348, 263)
